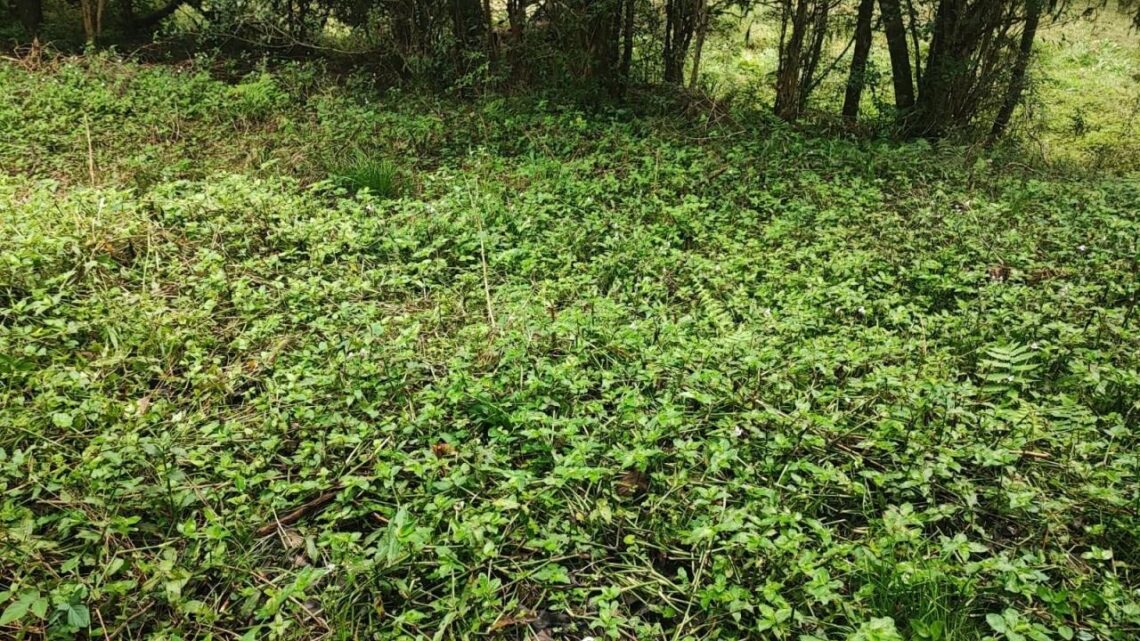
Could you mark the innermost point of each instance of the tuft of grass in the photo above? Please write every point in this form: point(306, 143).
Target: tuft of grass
point(924, 602)
point(379, 176)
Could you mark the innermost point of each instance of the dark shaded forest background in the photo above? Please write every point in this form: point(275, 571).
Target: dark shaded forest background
point(952, 66)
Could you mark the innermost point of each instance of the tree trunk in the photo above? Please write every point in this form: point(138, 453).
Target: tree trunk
point(943, 96)
point(679, 26)
point(492, 45)
point(92, 11)
point(702, 29)
point(900, 54)
point(969, 46)
point(1033, 9)
point(627, 43)
point(815, 51)
point(791, 56)
point(932, 110)
point(600, 37)
point(913, 24)
point(856, 79)
point(516, 18)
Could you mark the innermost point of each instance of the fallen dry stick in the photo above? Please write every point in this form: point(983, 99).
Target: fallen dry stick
point(305, 509)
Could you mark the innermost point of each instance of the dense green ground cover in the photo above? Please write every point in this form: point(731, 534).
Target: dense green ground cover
point(586, 374)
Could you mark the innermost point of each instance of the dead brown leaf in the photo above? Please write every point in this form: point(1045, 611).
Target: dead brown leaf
point(307, 509)
point(442, 450)
point(291, 538)
point(521, 617)
point(998, 273)
point(632, 483)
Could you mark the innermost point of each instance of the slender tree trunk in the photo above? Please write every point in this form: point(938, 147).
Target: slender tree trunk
point(912, 22)
point(900, 54)
point(614, 34)
point(815, 51)
point(1033, 9)
point(667, 42)
point(789, 71)
point(516, 20)
point(92, 11)
point(857, 78)
point(601, 36)
point(31, 15)
point(492, 46)
point(948, 69)
point(678, 34)
point(702, 29)
point(627, 42)
point(516, 17)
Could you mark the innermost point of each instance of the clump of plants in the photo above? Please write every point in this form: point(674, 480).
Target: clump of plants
point(362, 171)
point(922, 601)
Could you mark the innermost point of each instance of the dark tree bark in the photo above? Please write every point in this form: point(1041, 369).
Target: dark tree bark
point(627, 42)
point(516, 18)
point(680, 23)
point(613, 48)
point(492, 45)
point(820, 10)
point(599, 37)
point(912, 23)
point(1033, 10)
point(791, 56)
point(900, 54)
point(467, 22)
point(946, 62)
point(800, 51)
point(31, 15)
point(856, 79)
point(702, 31)
point(516, 22)
point(966, 54)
